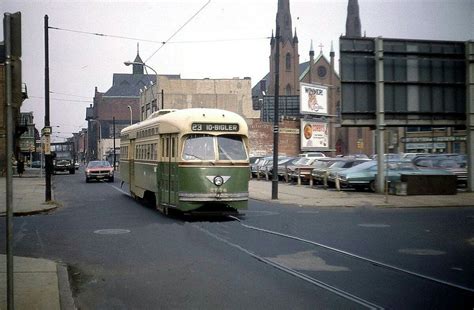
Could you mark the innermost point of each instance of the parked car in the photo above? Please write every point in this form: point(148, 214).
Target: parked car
point(363, 175)
point(312, 154)
point(283, 165)
point(304, 162)
point(388, 156)
point(446, 162)
point(255, 167)
point(411, 156)
point(36, 164)
point(282, 160)
point(320, 168)
point(99, 170)
point(339, 166)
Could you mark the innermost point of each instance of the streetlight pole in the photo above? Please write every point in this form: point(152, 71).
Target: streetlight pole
point(128, 63)
point(131, 115)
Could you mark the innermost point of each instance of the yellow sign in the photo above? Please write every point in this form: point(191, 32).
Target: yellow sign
point(47, 144)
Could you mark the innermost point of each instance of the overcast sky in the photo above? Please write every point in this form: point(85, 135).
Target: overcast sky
point(228, 38)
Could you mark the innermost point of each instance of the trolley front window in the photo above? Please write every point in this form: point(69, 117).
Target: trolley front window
point(199, 147)
point(202, 147)
point(231, 148)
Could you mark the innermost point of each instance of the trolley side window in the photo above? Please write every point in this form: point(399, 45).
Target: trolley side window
point(231, 147)
point(199, 147)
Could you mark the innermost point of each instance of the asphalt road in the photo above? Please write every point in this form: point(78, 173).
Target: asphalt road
point(123, 255)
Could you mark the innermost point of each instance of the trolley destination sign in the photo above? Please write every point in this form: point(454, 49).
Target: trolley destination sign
point(232, 127)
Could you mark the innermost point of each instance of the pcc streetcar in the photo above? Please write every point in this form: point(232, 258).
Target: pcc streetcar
point(188, 160)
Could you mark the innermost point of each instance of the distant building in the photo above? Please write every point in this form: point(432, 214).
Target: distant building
point(228, 94)
point(27, 141)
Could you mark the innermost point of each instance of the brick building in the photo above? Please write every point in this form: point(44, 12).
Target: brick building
point(121, 101)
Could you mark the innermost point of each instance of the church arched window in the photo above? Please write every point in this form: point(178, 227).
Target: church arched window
point(288, 90)
point(288, 61)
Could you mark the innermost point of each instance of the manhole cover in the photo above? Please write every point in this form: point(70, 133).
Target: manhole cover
point(111, 231)
point(374, 225)
point(426, 252)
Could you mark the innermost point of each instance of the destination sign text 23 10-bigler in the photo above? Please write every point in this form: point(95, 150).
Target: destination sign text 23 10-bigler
point(215, 127)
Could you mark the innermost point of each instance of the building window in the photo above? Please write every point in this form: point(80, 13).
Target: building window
point(288, 61)
point(288, 90)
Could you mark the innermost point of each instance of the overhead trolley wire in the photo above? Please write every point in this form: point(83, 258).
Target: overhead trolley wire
point(179, 29)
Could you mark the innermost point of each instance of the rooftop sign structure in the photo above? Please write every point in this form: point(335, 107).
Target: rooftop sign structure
point(424, 82)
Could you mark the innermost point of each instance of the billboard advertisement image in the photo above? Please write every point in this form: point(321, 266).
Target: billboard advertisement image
point(314, 136)
point(313, 99)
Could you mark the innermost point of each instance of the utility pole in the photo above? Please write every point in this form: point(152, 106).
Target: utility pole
point(47, 127)
point(9, 185)
point(113, 120)
point(162, 99)
point(276, 116)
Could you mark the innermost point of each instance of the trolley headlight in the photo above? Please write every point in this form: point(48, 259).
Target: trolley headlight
point(218, 181)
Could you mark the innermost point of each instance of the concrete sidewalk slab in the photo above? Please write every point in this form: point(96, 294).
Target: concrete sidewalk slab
point(35, 284)
point(304, 195)
point(28, 196)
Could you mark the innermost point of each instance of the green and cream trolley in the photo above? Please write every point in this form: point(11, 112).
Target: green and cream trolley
point(189, 160)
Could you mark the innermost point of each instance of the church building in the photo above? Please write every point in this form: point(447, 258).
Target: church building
point(319, 70)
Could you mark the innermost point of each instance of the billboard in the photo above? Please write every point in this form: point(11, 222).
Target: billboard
point(313, 99)
point(314, 135)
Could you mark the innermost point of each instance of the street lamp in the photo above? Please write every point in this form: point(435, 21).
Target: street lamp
point(128, 63)
point(100, 138)
point(131, 118)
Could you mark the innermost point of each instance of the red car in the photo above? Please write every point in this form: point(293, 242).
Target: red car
point(99, 170)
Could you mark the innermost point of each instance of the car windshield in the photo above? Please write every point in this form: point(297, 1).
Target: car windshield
point(201, 147)
point(363, 166)
point(338, 164)
point(63, 155)
point(98, 164)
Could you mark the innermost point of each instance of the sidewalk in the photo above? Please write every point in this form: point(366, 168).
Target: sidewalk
point(44, 284)
point(38, 283)
point(304, 195)
point(28, 194)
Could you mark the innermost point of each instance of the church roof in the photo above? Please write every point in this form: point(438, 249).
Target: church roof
point(304, 68)
point(316, 60)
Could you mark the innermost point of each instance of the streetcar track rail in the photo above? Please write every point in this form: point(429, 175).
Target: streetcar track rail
point(365, 259)
point(302, 276)
point(352, 255)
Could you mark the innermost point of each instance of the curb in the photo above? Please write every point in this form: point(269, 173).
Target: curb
point(66, 300)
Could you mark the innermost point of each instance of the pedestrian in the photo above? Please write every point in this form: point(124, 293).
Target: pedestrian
point(20, 166)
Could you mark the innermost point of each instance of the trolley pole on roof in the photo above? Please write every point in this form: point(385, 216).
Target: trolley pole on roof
point(276, 116)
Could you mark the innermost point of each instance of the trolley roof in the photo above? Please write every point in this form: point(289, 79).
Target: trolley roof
point(182, 120)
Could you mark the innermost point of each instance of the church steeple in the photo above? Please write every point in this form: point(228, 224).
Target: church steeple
point(353, 26)
point(138, 69)
point(283, 19)
point(289, 59)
